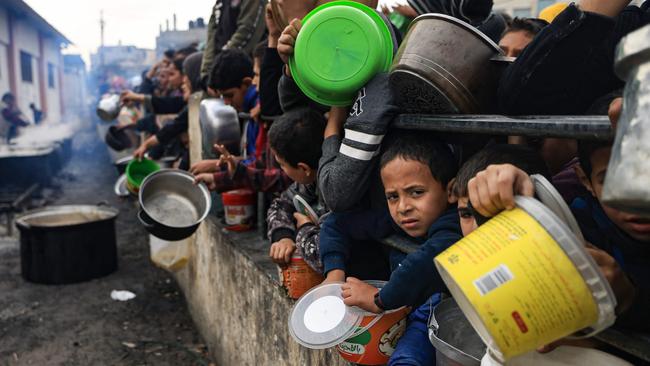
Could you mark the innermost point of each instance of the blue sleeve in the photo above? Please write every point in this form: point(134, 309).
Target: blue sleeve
point(416, 277)
point(339, 231)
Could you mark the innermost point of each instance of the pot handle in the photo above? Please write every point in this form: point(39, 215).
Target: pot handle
point(145, 220)
point(102, 203)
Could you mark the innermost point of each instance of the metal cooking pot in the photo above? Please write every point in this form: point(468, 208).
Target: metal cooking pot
point(109, 108)
point(172, 206)
point(67, 244)
point(120, 164)
point(446, 66)
point(219, 125)
point(117, 138)
point(456, 342)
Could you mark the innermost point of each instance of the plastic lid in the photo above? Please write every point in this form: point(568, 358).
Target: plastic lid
point(320, 319)
point(304, 208)
point(552, 199)
point(339, 48)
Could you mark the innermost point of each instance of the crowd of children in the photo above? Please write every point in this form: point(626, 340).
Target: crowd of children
point(367, 181)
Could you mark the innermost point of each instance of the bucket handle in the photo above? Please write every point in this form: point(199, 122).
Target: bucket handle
point(368, 326)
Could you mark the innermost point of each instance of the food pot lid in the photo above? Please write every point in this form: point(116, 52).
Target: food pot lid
point(120, 186)
point(304, 208)
point(320, 319)
point(340, 47)
point(551, 198)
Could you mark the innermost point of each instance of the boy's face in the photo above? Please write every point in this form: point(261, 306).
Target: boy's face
point(235, 96)
point(301, 174)
point(512, 43)
point(467, 220)
point(415, 198)
point(635, 226)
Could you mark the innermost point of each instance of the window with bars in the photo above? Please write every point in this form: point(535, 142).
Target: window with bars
point(26, 67)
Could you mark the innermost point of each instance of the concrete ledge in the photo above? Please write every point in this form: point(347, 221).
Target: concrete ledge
point(239, 308)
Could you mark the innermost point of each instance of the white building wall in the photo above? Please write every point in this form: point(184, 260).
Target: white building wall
point(4, 70)
point(4, 57)
point(4, 26)
point(51, 50)
point(26, 39)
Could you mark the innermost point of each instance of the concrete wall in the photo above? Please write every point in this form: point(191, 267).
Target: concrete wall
point(240, 311)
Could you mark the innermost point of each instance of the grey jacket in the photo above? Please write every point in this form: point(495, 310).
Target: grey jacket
point(233, 24)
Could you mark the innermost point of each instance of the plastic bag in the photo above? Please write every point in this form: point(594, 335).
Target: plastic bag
point(169, 255)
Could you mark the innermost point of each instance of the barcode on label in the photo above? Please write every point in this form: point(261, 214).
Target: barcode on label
point(493, 279)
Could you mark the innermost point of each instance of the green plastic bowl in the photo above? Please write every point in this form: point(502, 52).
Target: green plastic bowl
point(136, 171)
point(340, 47)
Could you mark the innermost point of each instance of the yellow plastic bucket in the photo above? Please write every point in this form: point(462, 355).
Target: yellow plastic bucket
point(523, 280)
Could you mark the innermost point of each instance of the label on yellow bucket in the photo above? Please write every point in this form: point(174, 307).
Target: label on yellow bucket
point(519, 281)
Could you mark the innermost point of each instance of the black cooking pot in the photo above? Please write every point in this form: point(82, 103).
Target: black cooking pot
point(117, 138)
point(67, 244)
point(172, 206)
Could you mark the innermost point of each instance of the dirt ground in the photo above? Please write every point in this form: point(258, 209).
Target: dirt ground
point(80, 324)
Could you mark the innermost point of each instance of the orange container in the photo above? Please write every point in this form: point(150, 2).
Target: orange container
point(376, 337)
point(298, 277)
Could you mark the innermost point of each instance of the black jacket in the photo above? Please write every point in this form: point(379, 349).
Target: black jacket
point(569, 64)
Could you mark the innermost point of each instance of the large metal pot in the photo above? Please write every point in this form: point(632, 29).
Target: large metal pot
point(172, 205)
point(219, 125)
point(67, 244)
point(456, 342)
point(109, 108)
point(446, 66)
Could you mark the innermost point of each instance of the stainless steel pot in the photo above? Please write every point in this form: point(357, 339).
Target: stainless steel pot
point(172, 206)
point(219, 125)
point(109, 108)
point(626, 185)
point(456, 342)
point(446, 66)
point(67, 244)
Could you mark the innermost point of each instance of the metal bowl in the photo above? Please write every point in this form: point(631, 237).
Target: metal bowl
point(446, 66)
point(172, 205)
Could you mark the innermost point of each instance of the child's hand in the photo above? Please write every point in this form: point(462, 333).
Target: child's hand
point(301, 219)
point(335, 275)
point(360, 294)
point(274, 30)
point(282, 250)
point(336, 120)
point(288, 39)
point(204, 166)
point(494, 189)
point(208, 179)
point(138, 154)
point(225, 158)
point(623, 288)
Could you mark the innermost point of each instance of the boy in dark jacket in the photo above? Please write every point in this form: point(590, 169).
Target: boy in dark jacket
point(295, 139)
point(417, 172)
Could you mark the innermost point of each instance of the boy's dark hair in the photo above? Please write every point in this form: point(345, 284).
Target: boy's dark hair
point(8, 96)
point(229, 69)
point(259, 51)
point(178, 64)
point(184, 52)
point(423, 147)
point(297, 136)
point(586, 149)
point(169, 53)
point(529, 25)
point(521, 156)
